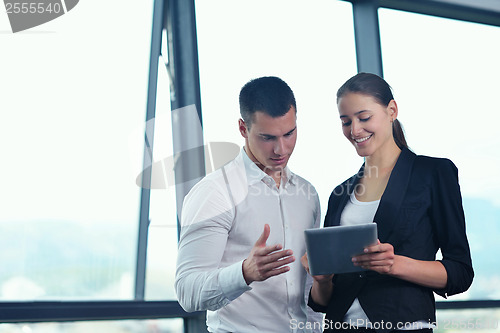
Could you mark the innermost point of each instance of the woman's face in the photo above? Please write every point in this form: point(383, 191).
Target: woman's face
point(366, 123)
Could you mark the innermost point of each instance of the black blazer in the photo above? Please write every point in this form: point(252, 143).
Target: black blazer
point(419, 213)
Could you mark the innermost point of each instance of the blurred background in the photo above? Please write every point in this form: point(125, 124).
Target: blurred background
point(77, 95)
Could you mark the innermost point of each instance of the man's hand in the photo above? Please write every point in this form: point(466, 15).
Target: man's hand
point(266, 261)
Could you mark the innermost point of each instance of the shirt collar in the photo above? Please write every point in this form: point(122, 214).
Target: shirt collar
point(255, 174)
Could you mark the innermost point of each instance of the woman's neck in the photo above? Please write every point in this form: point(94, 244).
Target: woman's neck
point(377, 171)
point(382, 162)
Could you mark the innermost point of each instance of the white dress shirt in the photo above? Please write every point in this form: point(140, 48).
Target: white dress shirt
point(222, 218)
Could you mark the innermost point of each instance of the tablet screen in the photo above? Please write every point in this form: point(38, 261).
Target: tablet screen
point(330, 250)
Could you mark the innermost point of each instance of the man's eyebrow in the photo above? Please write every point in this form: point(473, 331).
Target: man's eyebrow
point(291, 131)
point(270, 136)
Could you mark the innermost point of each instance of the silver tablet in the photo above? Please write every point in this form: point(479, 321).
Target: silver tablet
point(330, 250)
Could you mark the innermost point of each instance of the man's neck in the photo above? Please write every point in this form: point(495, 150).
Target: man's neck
point(276, 175)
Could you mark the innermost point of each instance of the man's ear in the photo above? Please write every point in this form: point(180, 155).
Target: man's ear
point(243, 128)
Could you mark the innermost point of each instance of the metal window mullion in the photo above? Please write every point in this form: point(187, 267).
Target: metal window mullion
point(367, 36)
point(456, 10)
point(187, 135)
point(180, 23)
point(142, 238)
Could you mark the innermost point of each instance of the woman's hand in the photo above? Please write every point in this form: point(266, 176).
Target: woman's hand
point(379, 258)
point(322, 287)
point(317, 278)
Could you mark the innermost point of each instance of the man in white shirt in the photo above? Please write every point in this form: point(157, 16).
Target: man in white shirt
point(242, 226)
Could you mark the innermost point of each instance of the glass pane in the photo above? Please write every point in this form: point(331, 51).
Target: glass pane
point(162, 236)
point(241, 40)
point(444, 74)
point(72, 92)
point(118, 326)
point(470, 320)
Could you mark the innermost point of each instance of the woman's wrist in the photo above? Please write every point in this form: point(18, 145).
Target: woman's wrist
point(398, 268)
point(325, 283)
point(430, 274)
point(321, 291)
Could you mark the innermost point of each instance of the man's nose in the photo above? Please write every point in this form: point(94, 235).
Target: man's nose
point(279, 146)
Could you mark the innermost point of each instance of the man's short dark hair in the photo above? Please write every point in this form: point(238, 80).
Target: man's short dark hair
point(268, 94)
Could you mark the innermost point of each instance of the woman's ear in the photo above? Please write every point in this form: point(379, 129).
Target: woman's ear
point(393, 109)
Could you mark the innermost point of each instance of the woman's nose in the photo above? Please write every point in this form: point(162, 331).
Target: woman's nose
point(355, 128)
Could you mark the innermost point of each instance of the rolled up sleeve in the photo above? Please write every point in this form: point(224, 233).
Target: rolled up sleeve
point(449, 219)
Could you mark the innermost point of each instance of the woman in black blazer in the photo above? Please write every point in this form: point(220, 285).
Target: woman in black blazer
point(417, 205)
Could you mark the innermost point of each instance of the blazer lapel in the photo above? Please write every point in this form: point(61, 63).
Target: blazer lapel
point(390, 203)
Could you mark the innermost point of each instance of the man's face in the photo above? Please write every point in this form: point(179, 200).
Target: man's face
point(269, 142)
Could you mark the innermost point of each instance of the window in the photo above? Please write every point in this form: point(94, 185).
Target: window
point(122, 326)
point(314, 56)
point(73, 100)
point(444, 76)
point(162, 236)
point(73, 91)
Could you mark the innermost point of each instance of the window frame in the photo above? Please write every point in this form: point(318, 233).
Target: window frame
point(183, 69)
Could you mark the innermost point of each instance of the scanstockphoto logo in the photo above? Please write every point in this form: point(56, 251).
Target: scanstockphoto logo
point(168, 171)
point(178, 169)
point(26, 14)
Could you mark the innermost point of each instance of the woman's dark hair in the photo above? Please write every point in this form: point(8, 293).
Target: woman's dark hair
point(375, 86)
point(268, 94)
